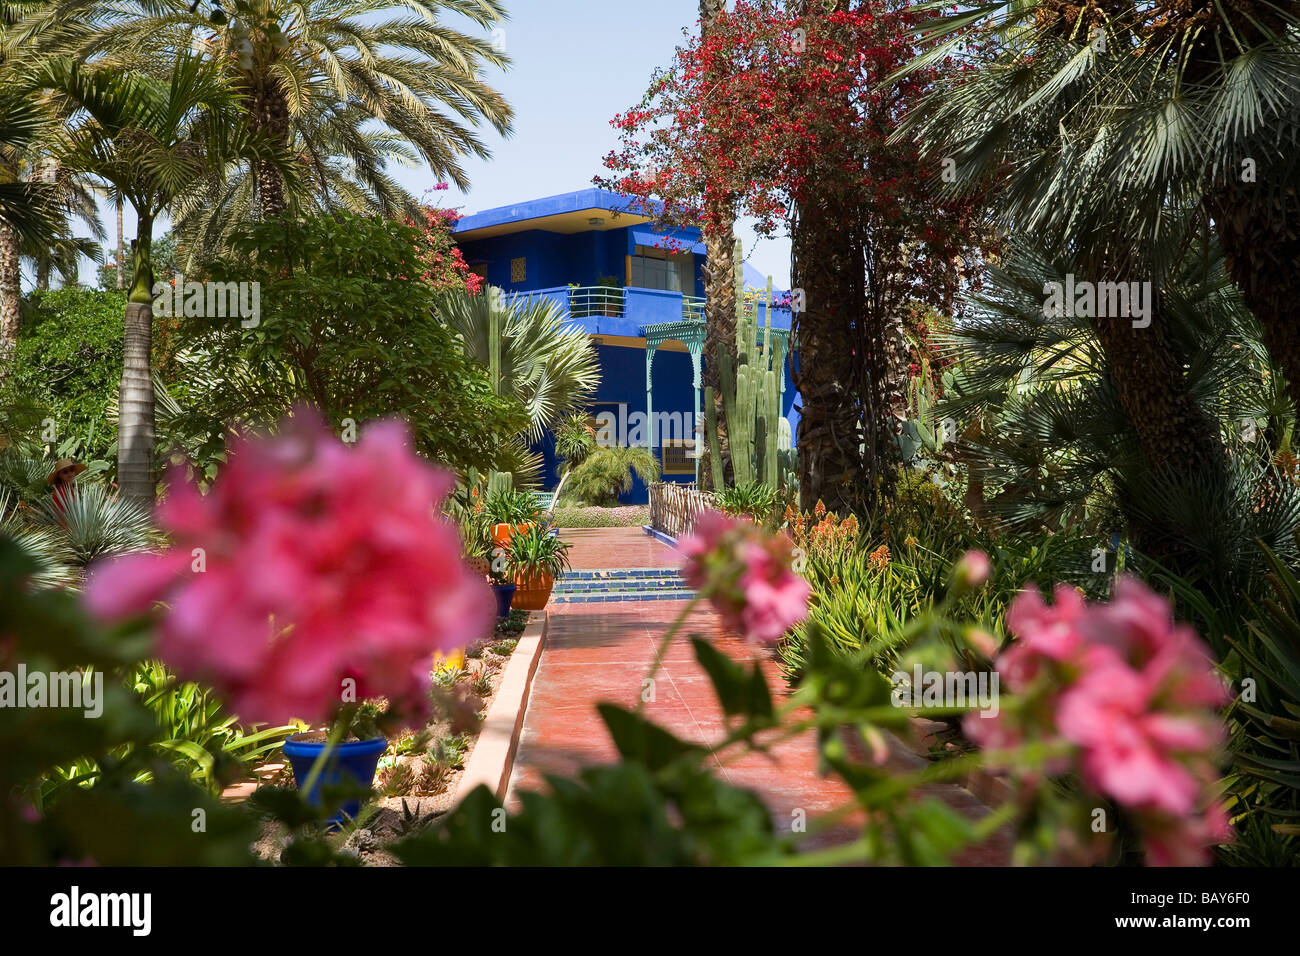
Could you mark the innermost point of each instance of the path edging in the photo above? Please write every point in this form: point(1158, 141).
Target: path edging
point(493, 757)
point(662, 536)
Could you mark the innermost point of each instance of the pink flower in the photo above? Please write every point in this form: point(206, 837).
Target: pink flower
point(308, 564)
point(972, 570)
point(746, 575)
point(1135, 694)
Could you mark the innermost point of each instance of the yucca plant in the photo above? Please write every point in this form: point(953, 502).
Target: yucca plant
point(95, 522)
point(861, 605)
point(536, 553)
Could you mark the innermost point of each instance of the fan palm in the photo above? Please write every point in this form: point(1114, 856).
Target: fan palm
point(1113, 132)
point(607, 472)
point(1054, 444)
point(550, 367)
point(151, 140)
point(316, 73)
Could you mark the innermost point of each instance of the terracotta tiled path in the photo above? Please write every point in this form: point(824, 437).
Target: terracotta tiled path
point(601, 652)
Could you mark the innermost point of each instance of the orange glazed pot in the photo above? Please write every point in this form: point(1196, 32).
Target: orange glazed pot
point(502, 533)
point(533, 593)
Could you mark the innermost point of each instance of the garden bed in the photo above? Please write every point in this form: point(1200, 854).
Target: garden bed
point(623, 516)
point(414, 784)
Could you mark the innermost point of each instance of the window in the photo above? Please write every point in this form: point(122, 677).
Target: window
point(679, 456)
point(659, 269)
point(519, 270)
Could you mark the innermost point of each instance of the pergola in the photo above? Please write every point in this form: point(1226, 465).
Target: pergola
point(690, 332)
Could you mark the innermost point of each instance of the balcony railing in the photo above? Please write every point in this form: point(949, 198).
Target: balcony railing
point(631, 306)
point(585, 300)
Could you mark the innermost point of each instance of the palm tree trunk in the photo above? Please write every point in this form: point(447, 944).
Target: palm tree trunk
point(121, 251)
point(270, 114)
point(135, 423)
point(827, 275)
point(719, 291)
point(10, 288)
point(719, 331)
point(1259, 229)
point(1179, 441)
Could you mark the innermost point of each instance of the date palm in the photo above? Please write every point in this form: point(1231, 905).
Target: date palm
point(319, 75)
point(151, 140)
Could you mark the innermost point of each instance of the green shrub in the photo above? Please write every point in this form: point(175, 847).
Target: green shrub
point(69, 359)
point(347, 328)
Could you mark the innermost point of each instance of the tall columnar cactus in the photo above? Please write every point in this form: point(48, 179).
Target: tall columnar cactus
point(751, 395)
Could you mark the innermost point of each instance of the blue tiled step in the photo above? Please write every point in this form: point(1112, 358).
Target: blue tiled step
point(680, 594)
point(625, 584)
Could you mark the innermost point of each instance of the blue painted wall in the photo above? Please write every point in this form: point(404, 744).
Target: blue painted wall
point(556, 260)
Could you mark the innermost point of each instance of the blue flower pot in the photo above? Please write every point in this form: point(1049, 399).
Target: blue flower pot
point(505, 594)
point(358, 759)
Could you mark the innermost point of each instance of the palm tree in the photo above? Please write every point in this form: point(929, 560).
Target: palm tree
point(1055, 445)
point(607, 470)
point(317, 73)
point(550, 367)
point(28, 213)
point(150, 140)
point(74, 198)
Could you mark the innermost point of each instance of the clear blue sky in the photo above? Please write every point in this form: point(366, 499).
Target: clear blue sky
point(575, 64)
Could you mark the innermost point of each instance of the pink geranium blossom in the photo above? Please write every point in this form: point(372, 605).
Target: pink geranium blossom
point(309, 563)
point(747, 576)
point(1134, 694)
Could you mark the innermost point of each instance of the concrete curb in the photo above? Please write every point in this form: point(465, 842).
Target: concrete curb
point(660, 536)
point(493, 757)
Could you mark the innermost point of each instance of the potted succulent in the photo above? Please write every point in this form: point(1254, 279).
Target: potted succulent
point(355, 744)
point(537, 558)
point(502, 585)
point(509, 511)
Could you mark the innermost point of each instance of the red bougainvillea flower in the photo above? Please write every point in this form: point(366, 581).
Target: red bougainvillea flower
point(310, 565)
point(1136, 695)
point(746, 574)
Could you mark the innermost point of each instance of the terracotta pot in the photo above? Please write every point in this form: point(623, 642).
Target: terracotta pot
point(502, 533)
point(478, 564)
point(532, 592)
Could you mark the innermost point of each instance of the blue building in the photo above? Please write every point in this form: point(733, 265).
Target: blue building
point(637, 290)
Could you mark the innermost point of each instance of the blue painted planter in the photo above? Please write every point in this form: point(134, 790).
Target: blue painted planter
point(505, 594)
point(358, 759)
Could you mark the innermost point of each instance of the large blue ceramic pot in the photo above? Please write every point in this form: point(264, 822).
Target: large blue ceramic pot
point(357, 759)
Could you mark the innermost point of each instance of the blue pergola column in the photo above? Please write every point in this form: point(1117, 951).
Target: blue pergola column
point(691, 334)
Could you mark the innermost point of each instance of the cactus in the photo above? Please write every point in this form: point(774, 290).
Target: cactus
point(751, 398)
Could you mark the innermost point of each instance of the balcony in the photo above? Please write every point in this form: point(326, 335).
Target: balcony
point(607, 310)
